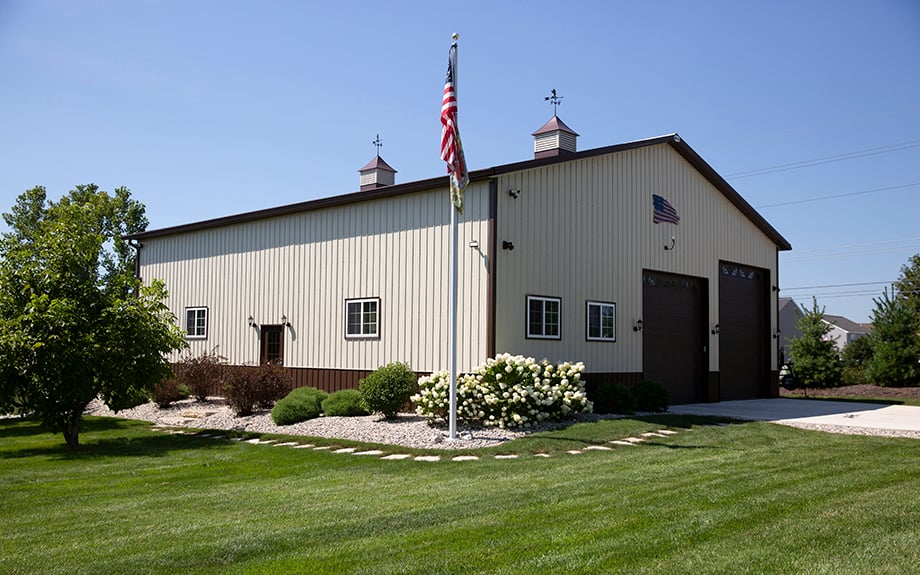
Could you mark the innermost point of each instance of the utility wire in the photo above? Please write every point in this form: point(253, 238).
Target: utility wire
point(825, 160)
point(838, 196)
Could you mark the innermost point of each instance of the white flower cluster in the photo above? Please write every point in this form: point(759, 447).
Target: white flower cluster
point(507, 391)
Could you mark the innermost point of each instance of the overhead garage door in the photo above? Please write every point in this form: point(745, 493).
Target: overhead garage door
point(674, 319)
point(744, 338)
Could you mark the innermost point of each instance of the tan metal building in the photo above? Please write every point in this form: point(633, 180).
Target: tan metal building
point(560, 257)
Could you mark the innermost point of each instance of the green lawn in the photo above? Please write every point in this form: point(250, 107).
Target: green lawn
point(739, 498)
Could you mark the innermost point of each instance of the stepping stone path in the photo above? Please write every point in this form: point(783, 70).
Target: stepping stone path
point(626, 442)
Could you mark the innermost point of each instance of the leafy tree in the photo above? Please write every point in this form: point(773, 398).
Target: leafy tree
point(817, 363)
point(895, 343)
point(75, 322)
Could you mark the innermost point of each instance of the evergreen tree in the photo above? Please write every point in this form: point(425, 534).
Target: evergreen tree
point(816, 361)
point(895, 343)
point(907, 288)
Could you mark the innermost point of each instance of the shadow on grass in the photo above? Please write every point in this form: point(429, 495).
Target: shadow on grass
point(100, 437)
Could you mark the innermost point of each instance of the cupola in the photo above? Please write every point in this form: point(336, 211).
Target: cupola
point(554, 139)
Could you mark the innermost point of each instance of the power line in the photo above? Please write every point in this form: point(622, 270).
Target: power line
point(839, 196)
point(825, 160)
point(839, 285)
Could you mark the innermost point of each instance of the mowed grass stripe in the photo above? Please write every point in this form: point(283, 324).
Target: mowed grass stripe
point(744, 498)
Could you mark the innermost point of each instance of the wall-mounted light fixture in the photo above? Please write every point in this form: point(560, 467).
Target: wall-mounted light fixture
point(715, 329)
point(671, 247)
point(506, 245)
point(474, 244)
point(251, 321)
point(514, 193)
point(284, 320)
point(775, 288)
point(638, 325)
point(777, 334)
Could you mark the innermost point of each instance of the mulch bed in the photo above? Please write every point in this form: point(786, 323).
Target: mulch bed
point(874, 391)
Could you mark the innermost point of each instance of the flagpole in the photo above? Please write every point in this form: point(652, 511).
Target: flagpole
point(452, 338)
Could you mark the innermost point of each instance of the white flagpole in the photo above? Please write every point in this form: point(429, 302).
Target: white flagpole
point(452, 311)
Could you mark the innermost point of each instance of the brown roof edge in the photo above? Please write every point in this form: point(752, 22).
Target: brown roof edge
point(673, 140)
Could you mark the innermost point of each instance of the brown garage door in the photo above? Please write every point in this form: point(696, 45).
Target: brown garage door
point(674, 318)
point(744, 339)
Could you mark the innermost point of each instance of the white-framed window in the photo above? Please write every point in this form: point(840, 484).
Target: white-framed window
point(196, 322)
point(600, 321)
point(362, 318)
point(544, 317)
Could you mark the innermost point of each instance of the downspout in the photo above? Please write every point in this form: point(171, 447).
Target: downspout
point(137, 256)
point(492, 286)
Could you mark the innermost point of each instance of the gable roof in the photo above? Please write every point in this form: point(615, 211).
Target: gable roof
point(672, 140)
point(845, 324)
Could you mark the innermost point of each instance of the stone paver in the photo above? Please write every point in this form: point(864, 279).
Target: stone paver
point(626, 441)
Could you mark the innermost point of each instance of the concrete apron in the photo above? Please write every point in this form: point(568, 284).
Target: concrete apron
point(819, 412)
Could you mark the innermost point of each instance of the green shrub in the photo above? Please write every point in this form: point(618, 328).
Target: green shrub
point(855, 357)
point(651, 396)
point(299, 405)
point(612, 398)
point(168, 391)
point(344, 403)
point(201, 374)
point(388, 388)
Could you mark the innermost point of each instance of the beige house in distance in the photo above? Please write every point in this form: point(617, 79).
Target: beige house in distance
point(560, 258)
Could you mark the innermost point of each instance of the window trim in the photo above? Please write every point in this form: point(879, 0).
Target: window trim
point(362, 301)
point(544, 299)
point(601, 304)
point(207, 314)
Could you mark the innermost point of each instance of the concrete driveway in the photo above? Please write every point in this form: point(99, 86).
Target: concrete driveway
point(849, 417)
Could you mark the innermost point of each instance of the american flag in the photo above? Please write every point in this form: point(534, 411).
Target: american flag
point(664, 211)
point(451, 148)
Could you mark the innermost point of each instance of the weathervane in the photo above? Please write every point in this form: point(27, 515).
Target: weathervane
point(556, 100)
point(379, 143)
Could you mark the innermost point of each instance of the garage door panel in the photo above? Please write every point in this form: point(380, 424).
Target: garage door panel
point(743, 332)
point(674, 323)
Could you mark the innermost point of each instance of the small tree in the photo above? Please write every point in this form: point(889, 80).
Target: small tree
point(817, 363)
point(75, 322)
point(895, 343)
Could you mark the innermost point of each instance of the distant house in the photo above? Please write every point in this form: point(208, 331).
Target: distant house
point(789, 315)
point(637, 259)
point(844, 331)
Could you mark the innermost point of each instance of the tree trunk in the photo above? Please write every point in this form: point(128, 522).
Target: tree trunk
point(71, 428)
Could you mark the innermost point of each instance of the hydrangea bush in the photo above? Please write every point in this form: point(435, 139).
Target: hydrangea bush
point(507, 391)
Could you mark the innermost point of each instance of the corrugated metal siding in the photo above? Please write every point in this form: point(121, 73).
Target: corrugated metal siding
point(306, 265)
point(583, 230)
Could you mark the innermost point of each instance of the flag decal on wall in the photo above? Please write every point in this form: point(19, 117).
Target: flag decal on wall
point(664, 211)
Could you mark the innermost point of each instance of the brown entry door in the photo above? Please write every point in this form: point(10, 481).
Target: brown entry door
point(272, 345)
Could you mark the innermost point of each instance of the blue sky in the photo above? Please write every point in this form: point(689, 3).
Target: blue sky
point(210, 108)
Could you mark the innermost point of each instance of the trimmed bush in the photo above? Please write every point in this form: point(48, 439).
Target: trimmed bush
point(388, 388)
point(612, 398)
point(202, 374)
point(168, 391)
point(274, 382)
point(344, 403)
point(651, 396)
point(507, 391)
point(246, 387)
point(299, 405)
